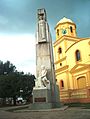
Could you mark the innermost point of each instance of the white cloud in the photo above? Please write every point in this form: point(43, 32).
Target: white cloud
point(20, 50)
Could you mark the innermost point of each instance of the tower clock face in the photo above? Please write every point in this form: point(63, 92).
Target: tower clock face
point(64, 31)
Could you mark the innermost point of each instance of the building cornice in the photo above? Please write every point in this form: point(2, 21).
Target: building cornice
point(60, 60)
point(65, 37)
point(78, 42)
point(61, 69)
point(76, 68)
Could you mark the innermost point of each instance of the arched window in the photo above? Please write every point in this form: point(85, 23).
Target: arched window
point(60, 50)
point(71, 29)
point(78, 57)
point(60, 64)
point(57, 32)
point(61, 84)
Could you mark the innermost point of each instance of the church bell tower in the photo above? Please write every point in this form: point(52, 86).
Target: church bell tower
point(65, 27)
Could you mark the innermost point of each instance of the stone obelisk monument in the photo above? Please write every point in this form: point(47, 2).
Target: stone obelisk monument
point(44, 92)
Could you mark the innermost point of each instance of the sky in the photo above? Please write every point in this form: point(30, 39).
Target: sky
point(18, 22)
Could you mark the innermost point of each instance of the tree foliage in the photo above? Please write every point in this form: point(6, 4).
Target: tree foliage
point(6, 68)
point(12, 82)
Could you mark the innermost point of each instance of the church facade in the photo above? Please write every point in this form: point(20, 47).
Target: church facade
point(72, 63)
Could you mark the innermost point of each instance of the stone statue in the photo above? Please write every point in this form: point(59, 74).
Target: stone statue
point(42, 80)
point(43, 76)
point(42, 26)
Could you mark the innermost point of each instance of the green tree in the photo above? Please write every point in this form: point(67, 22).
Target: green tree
point(13, 81)
point(6, 68)
point(9, 67)
point(9, 86)
point(27, 84)
point(1, 67)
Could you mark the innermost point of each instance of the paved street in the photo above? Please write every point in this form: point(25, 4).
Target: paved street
point(70, 113)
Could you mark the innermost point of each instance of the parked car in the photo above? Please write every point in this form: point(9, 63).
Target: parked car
point(20, 100)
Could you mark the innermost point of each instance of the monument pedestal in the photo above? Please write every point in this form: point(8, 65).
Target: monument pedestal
point(41, 95)
point(41, 99)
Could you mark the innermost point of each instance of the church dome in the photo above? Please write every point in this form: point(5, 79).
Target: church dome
point(64, 19)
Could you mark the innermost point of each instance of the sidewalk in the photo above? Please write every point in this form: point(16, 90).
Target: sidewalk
point(69, 113)
point(25, 108)
point(14, 107)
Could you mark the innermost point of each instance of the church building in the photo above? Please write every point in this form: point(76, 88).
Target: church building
point(72, 63)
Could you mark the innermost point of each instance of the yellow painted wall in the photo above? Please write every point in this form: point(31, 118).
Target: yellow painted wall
point(88, 78)
point(62, 45)
point(84, 48)
point(69, 43)
point(63, 77)
point(63, 63)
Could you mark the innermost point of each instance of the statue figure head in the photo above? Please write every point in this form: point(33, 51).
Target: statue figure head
point(43, 67)
point(41, 14)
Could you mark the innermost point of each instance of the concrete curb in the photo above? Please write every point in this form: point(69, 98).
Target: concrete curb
point(43, 110)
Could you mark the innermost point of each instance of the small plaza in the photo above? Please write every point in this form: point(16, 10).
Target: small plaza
point(69, 113)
